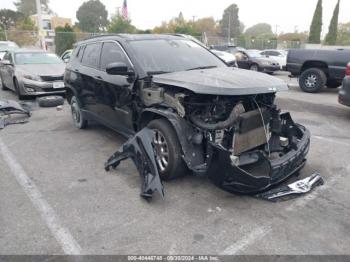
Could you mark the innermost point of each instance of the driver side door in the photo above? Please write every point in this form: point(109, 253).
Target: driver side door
point(114, 93)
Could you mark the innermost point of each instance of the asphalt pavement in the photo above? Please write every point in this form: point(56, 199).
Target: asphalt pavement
point(56, 198)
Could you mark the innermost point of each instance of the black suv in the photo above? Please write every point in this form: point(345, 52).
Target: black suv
point(206, 116)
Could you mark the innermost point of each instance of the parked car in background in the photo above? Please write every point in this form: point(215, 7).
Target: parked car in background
point(253, 60)
point(66, 55)
point(32, 72)
point(279, 55)
point(8, 45)
point(230, 59)
point(344, 93)
point(205, 115)
point(318, 68)
point(232, 49)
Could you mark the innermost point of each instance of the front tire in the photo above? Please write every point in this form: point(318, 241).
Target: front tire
point(167, 150)
point(312, 80)
point(254, 67)
point(78, 118)
point(18, 91)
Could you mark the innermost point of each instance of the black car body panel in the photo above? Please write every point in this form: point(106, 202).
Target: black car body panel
point(215, 110)
point(344, 93)
point(227, 81)
point(333, 61)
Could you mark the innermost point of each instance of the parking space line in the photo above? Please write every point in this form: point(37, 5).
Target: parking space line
point(69, 245)
point(241, 244)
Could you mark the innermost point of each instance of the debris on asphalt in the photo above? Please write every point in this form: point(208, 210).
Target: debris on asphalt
point(297, 188)
point(50, 101)
point(141, 151)
point(9, 109)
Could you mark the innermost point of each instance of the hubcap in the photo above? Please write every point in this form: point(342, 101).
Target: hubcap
point(161, 151)
point(311, 81)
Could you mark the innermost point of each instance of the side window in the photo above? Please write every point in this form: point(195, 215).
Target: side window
point(111, 53)
point(91, 56)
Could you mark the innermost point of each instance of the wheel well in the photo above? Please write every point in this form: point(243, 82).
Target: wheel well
point(315, 64)
point(69, 94)
point(147, 117)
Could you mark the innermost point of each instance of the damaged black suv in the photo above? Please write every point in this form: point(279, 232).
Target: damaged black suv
point(208, 118)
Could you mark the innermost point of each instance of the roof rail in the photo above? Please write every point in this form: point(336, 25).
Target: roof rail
point(99, 35)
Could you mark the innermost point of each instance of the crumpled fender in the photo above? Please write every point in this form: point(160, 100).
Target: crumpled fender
point(140, 150)
point(192, 154)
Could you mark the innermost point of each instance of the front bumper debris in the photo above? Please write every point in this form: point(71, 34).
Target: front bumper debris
point(8, 108)
point(299, 187)
point(140, 150)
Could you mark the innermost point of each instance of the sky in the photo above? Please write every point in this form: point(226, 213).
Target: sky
point(285, 15)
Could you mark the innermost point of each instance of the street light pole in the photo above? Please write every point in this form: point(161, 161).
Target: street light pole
point(40, 23)
point(229, 29)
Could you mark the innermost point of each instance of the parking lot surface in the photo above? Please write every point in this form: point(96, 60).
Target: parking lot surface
point(56, 198)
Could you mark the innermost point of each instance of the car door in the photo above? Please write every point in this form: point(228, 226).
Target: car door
point(89, 74)
point(114, 93)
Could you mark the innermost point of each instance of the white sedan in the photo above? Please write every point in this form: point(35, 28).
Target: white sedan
point(279, 55)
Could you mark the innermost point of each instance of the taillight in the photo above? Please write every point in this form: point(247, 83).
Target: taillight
point(348, 70)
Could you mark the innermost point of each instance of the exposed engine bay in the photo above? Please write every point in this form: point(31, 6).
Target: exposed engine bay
point(244, 144)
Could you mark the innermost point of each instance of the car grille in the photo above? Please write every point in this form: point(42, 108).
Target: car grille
point(52, 78)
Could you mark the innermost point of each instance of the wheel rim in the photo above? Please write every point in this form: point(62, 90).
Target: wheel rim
point(311, 81)
point(254, 68)
point(75, 113)
point(161, 150)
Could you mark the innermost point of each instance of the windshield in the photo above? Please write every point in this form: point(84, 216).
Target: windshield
point(253, 53)
point(37, 58)
point(161, 56)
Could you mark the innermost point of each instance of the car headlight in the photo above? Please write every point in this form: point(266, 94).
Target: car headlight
point(32, 77)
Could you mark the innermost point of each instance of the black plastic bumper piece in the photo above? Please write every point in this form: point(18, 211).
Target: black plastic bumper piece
point(140, 150)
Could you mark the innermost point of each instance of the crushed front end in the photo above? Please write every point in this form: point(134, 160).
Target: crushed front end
point(249, 145)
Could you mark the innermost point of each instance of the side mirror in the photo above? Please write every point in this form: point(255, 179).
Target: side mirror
point(120, 69)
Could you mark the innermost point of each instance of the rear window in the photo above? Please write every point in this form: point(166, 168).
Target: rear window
point(91, 56)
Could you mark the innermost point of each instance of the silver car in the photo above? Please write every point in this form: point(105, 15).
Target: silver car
point(32, 73)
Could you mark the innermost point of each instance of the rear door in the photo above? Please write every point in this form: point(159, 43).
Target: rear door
point(114, 93)
point(242, 60)
point(89, 76)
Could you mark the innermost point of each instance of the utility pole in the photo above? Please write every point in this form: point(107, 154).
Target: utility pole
point(276, 31)
point(193, 18)
point(40, 24)
point(229, 29)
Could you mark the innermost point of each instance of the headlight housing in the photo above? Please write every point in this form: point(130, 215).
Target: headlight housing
point(32, 77)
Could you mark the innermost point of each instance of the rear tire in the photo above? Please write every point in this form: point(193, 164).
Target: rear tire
point(78, 118)
point(312, 80)
point(166, 141)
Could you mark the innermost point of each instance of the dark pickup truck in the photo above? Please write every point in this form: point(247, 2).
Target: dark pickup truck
point(318, 68)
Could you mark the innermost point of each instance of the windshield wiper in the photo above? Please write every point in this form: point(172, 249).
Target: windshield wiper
point(157, 72)
point(201, 67)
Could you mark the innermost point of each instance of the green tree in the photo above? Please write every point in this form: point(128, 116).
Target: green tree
point(230, 24)
point(343, 34)
point(119, 25)
point(92, 16)
point(207, 25)
point(331, 37)
point(28, 7)
point(261, 30)
point(64, 38)
point(316, 25)
point(24, 33)
point(9, 18)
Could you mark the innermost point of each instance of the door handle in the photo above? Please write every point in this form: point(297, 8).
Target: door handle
point(76, 70)
point(99, 77)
